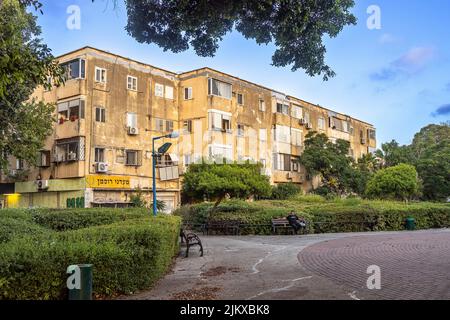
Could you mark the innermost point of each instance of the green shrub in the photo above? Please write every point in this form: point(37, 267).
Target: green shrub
point(339, 215)
point(285, 191)
point(128, 254)
point(399, 182)
point(12, 228)
point(71, 219)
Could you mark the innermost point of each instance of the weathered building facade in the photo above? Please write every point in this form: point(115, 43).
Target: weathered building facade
point(111, 108)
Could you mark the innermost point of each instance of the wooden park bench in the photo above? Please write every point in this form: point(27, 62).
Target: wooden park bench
point(191, 239)
point(222, 227)
point(283, 223)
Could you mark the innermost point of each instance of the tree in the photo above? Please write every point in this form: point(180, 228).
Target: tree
point(25, 64)
point(431, 151)
point(393, 154)
point(399, 182)
point(362, 171)
point(295, 27)
point(216, 181)
point(330, 161)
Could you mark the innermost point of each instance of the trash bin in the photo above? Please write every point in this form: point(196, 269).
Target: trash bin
point(410, 224)
point(83, 288)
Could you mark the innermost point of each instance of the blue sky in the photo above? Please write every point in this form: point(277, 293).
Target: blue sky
point(395, 78)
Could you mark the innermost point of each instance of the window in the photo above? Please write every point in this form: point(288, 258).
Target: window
point(307, 118)
point(188, 93)
point(296, 112)
point(220, 152)
point(20, 164)
point(296, 137)
point(162, 125)
point(240, 130)
point(99, 155)
point(131, 120)
point(240, 99)
point(74, 69)
point(100, 114)
point(169, 92)
point(187, 159)
point(262, 105)
point(132, 83)
point(282, 108)
point(220, 122)
point(283, 134)
point(44, 158)
point(226, 125)
point(70, 149)
point(159, 90)
point(219, 88)
point(169, 126)
point(263, 134)
point(187, 126)
point(166, 160)
point(363, 138)
point(372, 134)
point(295, 164)
point(159, 125)
point(281, 162)
point(133, 158)
point(70, 110)
point(340, 125)
point(321, 123)
point(100, 75)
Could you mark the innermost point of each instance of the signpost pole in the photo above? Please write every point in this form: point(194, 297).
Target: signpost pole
point(154, 177)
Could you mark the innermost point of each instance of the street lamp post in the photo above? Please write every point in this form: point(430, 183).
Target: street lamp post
point(172, 135)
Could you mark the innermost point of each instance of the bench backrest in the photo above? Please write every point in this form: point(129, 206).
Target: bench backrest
point(280, 221)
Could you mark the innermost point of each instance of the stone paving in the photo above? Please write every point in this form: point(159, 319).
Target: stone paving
point(413, 265)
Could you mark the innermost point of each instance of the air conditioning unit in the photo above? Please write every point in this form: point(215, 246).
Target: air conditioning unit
point(101, 167)
point(309, 126)
point(302, 122)
point(42, 184)
point(72, 157)
point(363, 141)
point(133, 131)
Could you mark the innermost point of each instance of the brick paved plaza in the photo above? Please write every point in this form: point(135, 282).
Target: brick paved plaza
point(413, 265)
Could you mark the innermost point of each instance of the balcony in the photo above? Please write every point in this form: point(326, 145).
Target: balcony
point(70, 128)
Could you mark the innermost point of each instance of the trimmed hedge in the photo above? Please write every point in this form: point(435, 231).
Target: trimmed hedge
point(127, 255)
point(72, 219)
point(350, 215)
point(11, 229)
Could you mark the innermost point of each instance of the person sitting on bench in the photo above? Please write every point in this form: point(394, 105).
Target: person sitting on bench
point(295, 222)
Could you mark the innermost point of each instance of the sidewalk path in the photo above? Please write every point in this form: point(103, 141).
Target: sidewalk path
point(414, 265)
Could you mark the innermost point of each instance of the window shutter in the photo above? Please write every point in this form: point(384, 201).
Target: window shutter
point(81, 109)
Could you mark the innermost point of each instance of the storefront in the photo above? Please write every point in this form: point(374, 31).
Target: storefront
point(91, 191)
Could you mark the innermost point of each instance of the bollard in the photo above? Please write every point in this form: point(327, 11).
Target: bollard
point(79, 282)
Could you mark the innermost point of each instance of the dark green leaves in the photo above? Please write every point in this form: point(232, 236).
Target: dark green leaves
point(216, 181)
point(295, 27)
point(25, 64)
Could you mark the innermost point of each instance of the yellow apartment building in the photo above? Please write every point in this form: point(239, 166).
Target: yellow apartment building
point(111, 107)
